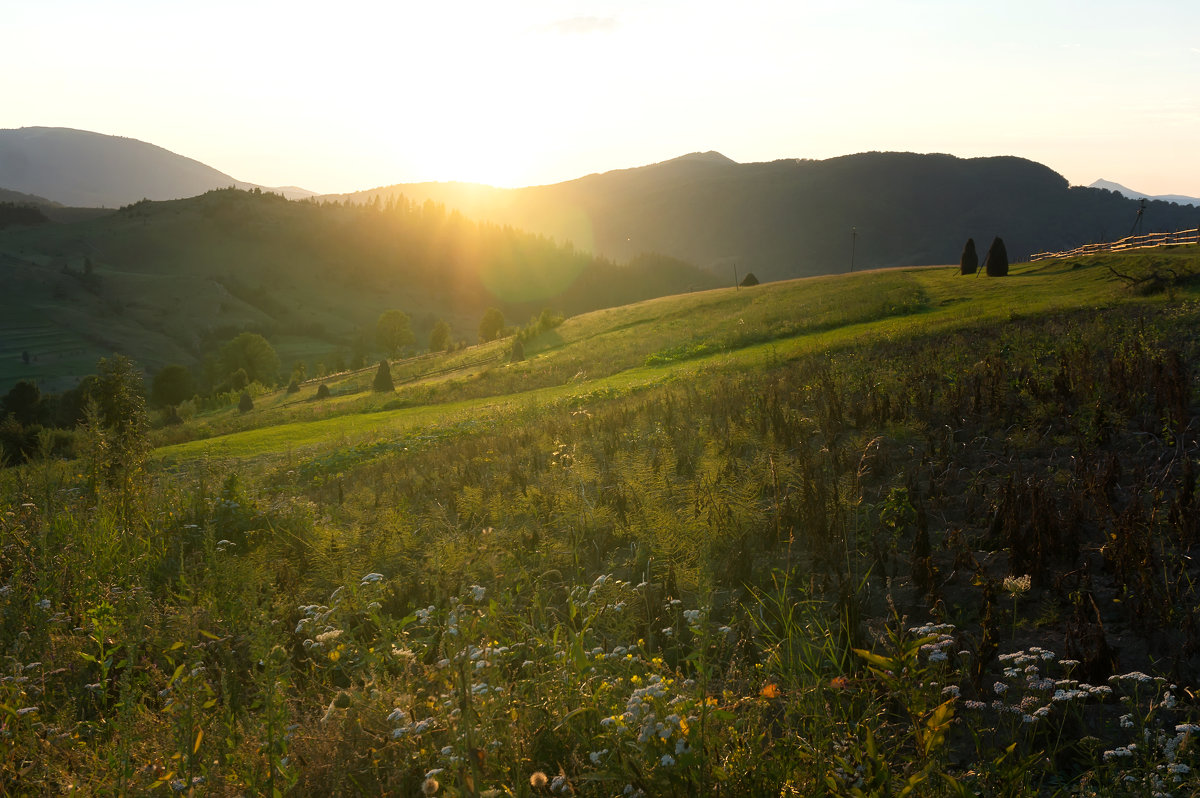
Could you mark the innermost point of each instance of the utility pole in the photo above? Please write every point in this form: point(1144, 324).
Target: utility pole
point(736, 286)
point(853, 244)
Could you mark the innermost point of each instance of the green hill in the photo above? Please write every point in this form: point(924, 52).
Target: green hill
point(895, 532)
point(167, 282)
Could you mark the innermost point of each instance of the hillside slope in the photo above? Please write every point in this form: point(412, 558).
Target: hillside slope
point(166, 282)
point(793, 218)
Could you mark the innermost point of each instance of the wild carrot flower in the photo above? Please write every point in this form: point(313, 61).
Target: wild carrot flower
point(1016, 585)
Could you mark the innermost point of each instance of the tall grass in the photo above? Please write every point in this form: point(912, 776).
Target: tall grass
point(786, 579)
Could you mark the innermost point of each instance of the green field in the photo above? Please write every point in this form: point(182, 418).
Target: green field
point(885, 533)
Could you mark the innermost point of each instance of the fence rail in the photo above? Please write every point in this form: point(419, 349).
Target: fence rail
point(1130, 242)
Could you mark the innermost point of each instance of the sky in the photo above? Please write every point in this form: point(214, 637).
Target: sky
point(342, 96)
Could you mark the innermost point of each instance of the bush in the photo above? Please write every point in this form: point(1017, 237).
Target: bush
point(294, 386)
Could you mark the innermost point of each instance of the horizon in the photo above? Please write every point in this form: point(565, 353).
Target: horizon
point(542, 92)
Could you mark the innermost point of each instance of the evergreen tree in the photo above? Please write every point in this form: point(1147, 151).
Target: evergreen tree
point(383, 379)
point(518, 351)
point(749, 280)
point(996, 262)
point(322, 391)
point(969, 262)
point(245, 404)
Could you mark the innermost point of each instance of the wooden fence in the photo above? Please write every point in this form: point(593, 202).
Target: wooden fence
point(1130, 242)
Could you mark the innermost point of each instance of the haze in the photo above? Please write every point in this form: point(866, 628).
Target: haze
point(358, 94)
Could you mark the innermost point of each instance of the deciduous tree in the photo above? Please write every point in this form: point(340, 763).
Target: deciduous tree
point(254, 354)
point(393, 331)
point(491, 325)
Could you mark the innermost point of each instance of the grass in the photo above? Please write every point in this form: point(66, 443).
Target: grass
point(770, 562)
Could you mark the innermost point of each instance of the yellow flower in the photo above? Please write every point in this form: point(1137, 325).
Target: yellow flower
point(769, 690)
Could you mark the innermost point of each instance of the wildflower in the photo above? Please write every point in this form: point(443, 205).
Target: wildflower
point(371, 577)
point(477, 593)
point(596, 756)
point(1016, 585)
point(1000, 687)
point(429, 786)
point(1127, 721)
point(558, 783)
point(951, 690)
point(937, 656)
point(769, 690)
point(839, 682)
point(44, 604)
point(667, 760)
point(537, 780)
point(1118, 753)
point(1132, 676)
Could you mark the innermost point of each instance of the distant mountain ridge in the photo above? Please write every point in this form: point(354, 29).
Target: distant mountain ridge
point(796, 217)
point(1108, 185)
point(84, 169)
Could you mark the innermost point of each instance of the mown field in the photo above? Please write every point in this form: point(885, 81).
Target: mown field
point(858, 535)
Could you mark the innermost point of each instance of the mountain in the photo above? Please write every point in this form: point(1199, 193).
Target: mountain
point(794, 218)
point(80, 168)
point(21, 198)
point(168, 282)
point(1108, 185)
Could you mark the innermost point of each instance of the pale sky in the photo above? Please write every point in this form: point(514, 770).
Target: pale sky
point(346, 95)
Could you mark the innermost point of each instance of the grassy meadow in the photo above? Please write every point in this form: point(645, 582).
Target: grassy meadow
point(889, 533)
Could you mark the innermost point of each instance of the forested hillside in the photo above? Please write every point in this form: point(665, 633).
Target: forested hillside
point(168, 282)
point(794, 218)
